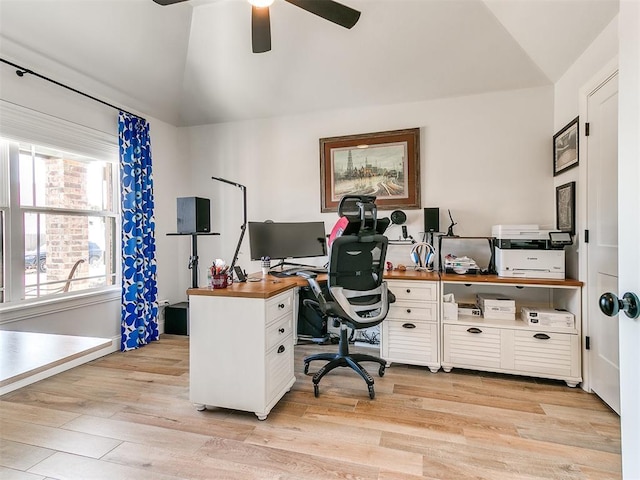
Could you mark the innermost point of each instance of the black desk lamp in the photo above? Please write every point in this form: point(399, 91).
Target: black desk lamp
point(244, 223)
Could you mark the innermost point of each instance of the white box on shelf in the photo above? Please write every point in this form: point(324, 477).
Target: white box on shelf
point(548, 317)
point(498, 309)
point(470, 309)
point(494, 300)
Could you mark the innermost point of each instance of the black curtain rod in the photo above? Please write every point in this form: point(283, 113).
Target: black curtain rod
point(21, 71)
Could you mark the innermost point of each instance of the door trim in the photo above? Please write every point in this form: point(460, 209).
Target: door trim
point(597, 81)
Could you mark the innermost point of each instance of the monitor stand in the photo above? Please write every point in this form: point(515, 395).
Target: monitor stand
point(282, 264)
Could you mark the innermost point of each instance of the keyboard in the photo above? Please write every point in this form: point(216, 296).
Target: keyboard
point(292, 271)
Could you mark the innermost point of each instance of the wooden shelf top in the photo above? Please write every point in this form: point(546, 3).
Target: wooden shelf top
point(454, 277)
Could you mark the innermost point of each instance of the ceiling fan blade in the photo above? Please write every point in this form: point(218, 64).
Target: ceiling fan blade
point(260, 29)
point(328, 9)
point(164, 3)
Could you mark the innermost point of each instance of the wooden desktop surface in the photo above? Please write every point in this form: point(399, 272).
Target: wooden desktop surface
point(268, 286)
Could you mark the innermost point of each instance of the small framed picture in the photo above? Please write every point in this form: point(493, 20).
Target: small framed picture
point(566, 208)
point(565, 148)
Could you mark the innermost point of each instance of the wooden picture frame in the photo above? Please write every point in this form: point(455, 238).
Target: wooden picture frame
point(566, 208)
point(566, 151)
point(384, 164)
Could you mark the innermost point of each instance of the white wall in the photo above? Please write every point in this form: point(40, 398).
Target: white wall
point(486, 157)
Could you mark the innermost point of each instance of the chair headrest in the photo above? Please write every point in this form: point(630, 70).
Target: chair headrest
point(358, 214)
point(355, 207)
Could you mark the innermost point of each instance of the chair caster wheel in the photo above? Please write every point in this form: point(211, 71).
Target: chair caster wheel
point(381, 371)
point(316, 391)
point(306, 368)
point(372, 393)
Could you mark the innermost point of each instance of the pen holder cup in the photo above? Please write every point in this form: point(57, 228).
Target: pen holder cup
point(266, 266)
point(219, 280)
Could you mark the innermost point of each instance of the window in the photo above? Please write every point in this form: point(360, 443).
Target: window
point(59, 225)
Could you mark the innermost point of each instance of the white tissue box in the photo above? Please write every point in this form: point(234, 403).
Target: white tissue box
point(449, 311)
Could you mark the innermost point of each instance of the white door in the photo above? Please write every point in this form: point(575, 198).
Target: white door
point(602, 223)
point(629, 231)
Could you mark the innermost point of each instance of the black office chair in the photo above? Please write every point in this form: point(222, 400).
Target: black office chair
point(358, 295)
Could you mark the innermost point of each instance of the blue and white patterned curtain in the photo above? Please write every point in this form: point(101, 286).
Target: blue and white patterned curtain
point(139, 321)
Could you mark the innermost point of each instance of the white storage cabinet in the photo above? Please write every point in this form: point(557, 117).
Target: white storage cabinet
point(410, 333)
point(512, 346)
point(241, 351)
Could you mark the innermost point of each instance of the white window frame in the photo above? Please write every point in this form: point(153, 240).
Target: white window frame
point(25, 125)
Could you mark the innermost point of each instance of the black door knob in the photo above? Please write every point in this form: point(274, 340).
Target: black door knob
point(611, 305)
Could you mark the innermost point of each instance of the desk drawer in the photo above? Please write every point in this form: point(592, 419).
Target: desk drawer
point(472, 346)
point(544, 353)
point(279, 367)
point(409, 342)
point(278, 306)
point(414, 291)
point(414, 311)
point(279, 330)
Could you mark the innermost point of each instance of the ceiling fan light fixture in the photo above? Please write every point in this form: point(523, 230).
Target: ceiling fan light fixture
point(261, 3)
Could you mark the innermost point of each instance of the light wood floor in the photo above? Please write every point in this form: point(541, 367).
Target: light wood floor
point(127, 416)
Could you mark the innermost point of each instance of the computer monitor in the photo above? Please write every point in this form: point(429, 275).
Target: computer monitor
point(282, 240)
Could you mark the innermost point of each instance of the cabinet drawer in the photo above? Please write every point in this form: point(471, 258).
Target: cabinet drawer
point(544, 353)
point(279, 330)
point(279, 367)
point(278, 306)
point(416, 290)
point(463, 347)
point(405, 343)
point(414, 311)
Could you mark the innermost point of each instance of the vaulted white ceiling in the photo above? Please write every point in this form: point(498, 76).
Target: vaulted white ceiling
point(191, 63)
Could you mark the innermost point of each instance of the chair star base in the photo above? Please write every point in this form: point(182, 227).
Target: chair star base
point(344, 359)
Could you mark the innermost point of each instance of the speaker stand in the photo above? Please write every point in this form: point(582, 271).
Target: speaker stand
point(193, 259)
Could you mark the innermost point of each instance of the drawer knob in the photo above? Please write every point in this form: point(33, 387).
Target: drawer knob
point(408, 290)
point(408, 310)
point(281, 305)
point(408, 325)
point(281, 330)
point(474, 330)
point(281, 349)
point(541, 336)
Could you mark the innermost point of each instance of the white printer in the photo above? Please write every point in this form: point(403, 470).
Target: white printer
point(525, 251)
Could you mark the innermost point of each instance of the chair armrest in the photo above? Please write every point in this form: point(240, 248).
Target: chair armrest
point(311, 277)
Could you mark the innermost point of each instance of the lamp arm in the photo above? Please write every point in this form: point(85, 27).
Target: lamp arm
point(235, 255)
point(243, 227)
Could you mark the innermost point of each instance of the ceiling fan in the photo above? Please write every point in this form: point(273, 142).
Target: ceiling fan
point(261, 26)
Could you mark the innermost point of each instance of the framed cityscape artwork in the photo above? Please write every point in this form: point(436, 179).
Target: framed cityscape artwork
point(384, 164)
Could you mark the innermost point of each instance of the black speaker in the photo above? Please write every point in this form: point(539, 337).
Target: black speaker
point(176, 319)
point(432, 220)
point(194, 215)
